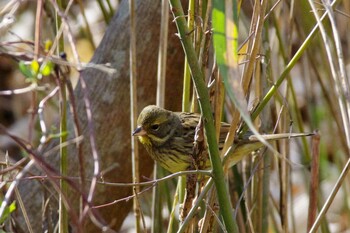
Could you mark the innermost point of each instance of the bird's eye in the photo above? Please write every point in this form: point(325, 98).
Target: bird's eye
point(155, 127)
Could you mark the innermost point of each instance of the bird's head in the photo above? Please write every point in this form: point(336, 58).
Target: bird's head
point(155, 125)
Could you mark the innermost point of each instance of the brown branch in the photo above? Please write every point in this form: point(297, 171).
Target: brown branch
point(314, 181)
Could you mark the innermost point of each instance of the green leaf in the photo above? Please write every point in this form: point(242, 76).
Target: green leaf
point(58, 135)
point(46, 68)
point(8, 210)
point(25, 70)
point(219, 35)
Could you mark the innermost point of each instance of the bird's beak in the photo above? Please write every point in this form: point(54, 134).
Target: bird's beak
point(139, 131)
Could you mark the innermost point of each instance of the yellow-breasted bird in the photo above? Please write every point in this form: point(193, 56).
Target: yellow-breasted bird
point(169, 136)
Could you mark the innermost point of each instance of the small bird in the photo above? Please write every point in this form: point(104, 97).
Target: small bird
point(169, 138)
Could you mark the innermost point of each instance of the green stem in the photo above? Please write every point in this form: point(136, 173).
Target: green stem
point(63, 158)
point(105, 14)
point(187, 75)
point(203, 97)
point(87, 25)
point(157, 202)
point(172, 218)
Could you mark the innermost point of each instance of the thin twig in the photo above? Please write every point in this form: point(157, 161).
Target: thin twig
point(41, 115)
point(115, 184)
point(32, 87)
point(24, 212)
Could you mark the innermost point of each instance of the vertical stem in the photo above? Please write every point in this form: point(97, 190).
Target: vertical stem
point(156, 203)
point(133, 112)
point(259, 88)
point(265, 194)
point(110, 8)
point(187, 75)
point(314, 181)
point(283, 166)
point(87, 26)
point(39, 8)
point(63, 214)
point(255, 43)
point(105, 14)
point(63, 156)
point(162, 54)
point(172, 218)
point(181, 185)
point(161, 73)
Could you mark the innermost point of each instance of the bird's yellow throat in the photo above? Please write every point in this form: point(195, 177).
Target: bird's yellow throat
point(145, 140)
